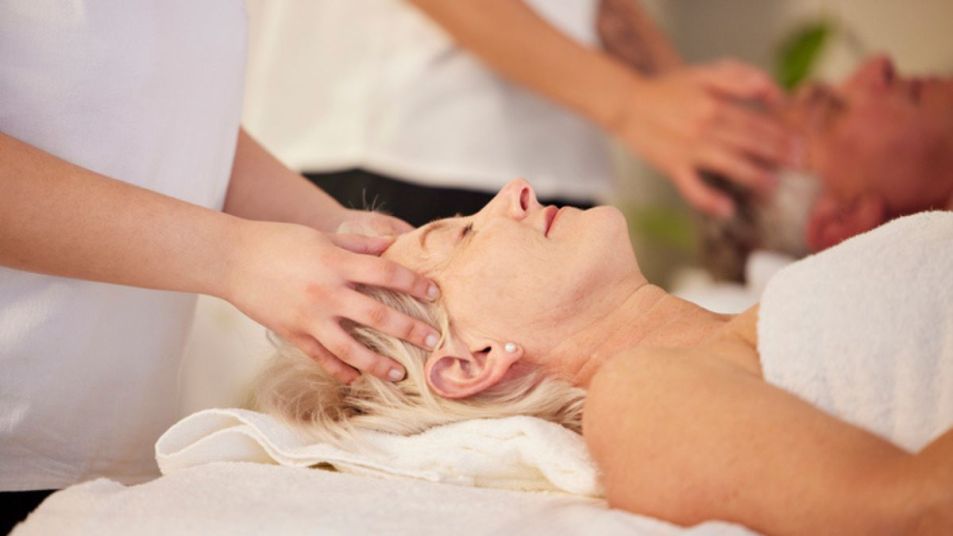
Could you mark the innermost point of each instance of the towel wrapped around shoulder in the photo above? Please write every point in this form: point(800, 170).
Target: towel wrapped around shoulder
point(864, 331)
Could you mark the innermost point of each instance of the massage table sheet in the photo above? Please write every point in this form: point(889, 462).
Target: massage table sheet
point(238, 498)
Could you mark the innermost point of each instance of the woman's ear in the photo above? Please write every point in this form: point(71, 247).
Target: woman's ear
point(833, 221)
point(456, 371)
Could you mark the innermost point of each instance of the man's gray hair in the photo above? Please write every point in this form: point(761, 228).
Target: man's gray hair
point(777, 223)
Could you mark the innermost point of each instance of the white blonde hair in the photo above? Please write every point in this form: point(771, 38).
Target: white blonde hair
point(296, 389)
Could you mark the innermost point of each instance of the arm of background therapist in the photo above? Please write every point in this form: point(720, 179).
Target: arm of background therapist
point(705, 440)
point(627, 33)
point(680, 122)
point(60, 219)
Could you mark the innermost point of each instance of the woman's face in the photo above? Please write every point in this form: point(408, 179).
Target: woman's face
point(519, 271)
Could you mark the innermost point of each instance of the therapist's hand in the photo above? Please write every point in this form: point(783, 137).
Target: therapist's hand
point(299, 283)
point(690, 119)
point(370, 223)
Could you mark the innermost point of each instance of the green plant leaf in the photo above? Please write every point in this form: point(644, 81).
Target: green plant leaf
point(664, 226)
point(799, 53)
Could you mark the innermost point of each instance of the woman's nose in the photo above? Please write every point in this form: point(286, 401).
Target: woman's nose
point(518, 199)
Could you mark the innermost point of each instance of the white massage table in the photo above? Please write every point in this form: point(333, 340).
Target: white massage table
point(245, 498)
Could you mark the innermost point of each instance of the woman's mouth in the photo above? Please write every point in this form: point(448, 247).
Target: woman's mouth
point(550, 218)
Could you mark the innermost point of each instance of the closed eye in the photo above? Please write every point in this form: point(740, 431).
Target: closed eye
point(466, 230)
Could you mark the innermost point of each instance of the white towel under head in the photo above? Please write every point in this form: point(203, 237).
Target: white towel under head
point(523, 453)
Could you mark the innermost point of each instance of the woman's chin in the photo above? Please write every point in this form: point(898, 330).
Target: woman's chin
point(611, 223)
point(605, 236)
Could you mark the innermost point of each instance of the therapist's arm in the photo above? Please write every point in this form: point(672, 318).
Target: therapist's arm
point(263, 188)
point(518, 44)
point(627, 33)
point(682, 122)
point(61, 219)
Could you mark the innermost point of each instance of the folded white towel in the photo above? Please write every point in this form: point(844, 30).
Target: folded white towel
point(522, 453)
point(864, 330)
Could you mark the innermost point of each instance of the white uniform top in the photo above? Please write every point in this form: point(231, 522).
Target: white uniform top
point(334, 84)
point(147, 91)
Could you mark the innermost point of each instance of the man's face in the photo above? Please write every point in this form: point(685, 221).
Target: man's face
point(882, 146)
point(881, 133)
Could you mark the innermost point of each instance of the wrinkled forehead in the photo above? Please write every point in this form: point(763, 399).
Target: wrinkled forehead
point(406, 250)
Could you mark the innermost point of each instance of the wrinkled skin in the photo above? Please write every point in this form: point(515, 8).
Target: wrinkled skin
point(513, 276)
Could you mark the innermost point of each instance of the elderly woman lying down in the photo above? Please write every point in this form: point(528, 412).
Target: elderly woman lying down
point(827, 409)
point(689, 414)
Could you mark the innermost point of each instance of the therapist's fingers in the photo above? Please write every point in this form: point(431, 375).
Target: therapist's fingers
point(371, 223)
point(379, 272)
point(374, 314)
point(389, 225)
point(341, 344)
point(701, 196)
point(736, 167)
point(332, 365)
point(756, 134)
point(760, 154)
point(741, 81)
point(356, 243)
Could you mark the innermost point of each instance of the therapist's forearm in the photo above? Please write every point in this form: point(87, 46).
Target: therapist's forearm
point(630, 35)
point(515, 42)
point(262, 188)
point(60, 219)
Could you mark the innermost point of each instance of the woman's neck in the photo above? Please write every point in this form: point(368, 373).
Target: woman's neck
point(646, 316)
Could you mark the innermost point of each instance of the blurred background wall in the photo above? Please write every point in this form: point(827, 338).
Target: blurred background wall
point(916, 33)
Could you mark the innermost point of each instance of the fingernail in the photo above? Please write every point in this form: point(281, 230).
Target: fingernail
point(431, 341)
point(395, 375)
point(433, 292)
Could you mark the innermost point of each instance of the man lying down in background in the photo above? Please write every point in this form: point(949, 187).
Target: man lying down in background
point(875, 147)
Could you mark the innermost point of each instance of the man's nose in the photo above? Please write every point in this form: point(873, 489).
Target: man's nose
point(880, 71)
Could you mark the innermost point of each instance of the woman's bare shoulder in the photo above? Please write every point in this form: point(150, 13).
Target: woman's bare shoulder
point(745, 325)
point(738, 343)
point(676, 431)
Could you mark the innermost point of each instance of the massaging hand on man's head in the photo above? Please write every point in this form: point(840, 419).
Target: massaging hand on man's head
point(299, 283)
point(690, 119)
